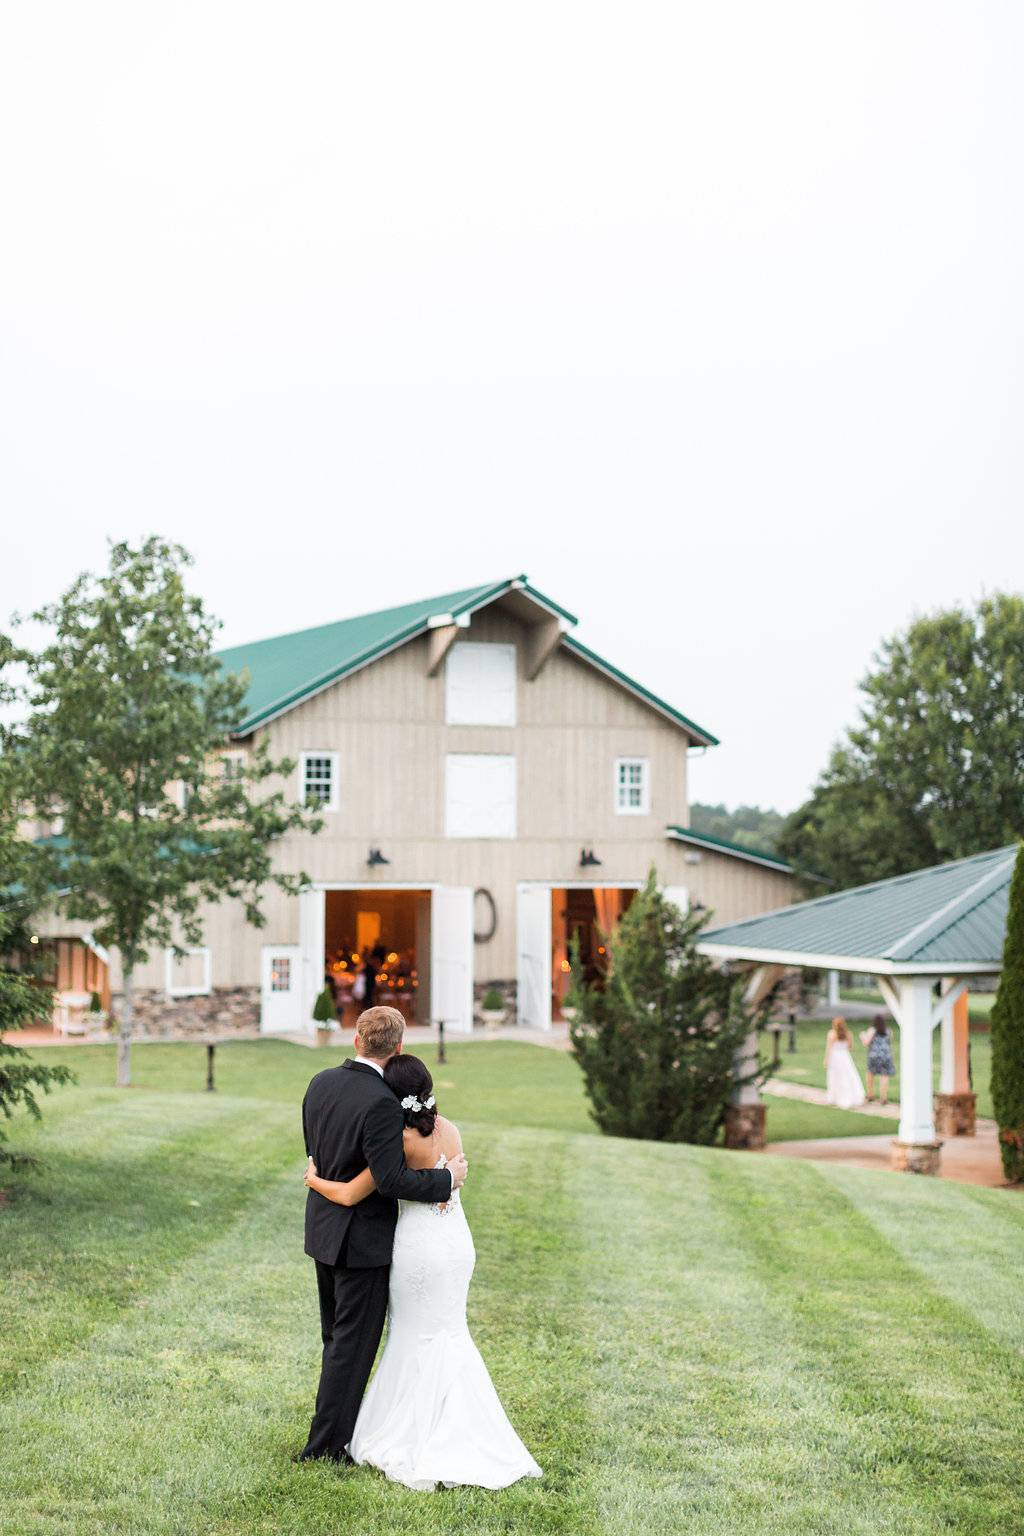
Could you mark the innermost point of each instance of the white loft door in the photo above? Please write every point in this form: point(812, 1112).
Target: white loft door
point(279, 989)
point(451, 957)
point(313, 943)
point(533, 966)
point(679, 896)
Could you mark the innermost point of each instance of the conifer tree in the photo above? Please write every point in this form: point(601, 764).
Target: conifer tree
point(23, 999)
point(657, 1042)
point(1006, 1023)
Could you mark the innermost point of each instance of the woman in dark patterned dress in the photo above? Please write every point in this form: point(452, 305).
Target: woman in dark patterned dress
point(880, 1062)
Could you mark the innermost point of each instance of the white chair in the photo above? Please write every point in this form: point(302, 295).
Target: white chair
point(69, 1012)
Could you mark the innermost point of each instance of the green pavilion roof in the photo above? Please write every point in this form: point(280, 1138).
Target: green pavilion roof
point(949, 916)
point(287, 669)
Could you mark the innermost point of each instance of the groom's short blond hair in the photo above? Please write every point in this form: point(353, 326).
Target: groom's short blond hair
point(380, 1032)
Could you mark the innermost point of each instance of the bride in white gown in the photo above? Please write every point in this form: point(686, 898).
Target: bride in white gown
point(430, 1414)
point(843, 1085)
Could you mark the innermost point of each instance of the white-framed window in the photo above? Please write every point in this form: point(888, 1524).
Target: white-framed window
point(187, 974)
point(632, 786)
point(318, 779)
point(480, 795)
point(480, 684)
point(232, 764)
point(281, 973)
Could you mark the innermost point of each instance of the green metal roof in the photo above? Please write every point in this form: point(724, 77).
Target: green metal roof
point(287, 669)
point(949, 916)
point(723, 845)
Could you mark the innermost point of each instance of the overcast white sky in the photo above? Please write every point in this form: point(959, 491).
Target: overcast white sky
point(707, 317)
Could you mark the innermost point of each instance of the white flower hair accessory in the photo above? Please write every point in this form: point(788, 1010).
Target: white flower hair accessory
point(412, 1102)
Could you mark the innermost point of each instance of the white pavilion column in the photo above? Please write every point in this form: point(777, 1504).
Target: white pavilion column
point(915, 1149)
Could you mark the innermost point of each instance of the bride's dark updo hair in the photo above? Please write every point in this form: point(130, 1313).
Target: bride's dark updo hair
point(408, 1076)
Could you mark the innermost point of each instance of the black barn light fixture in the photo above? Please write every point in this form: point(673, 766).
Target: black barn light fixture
point(376, 857)
point(588, 858)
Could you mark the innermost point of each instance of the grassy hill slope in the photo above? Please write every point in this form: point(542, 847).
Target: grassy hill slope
point(687, 1339)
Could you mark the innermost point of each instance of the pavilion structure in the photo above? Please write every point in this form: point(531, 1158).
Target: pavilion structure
point(922, 936)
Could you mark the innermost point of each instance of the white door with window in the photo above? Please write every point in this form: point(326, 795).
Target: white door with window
point(279, 989)
point(451, 957)
point(533, 963)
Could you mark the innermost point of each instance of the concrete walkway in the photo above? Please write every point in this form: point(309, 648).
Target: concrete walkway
point(965, 1159)
point(779, 1088)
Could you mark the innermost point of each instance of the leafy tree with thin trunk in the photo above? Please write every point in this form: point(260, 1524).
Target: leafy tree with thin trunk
point(23, 998)
point(1006, 1023)
point(131, 712)
point(935, 769)
point(657, 1039)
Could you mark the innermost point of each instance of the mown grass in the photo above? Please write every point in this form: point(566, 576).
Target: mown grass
point(502, 1081)
point(688, 1339)
point(806, 1064)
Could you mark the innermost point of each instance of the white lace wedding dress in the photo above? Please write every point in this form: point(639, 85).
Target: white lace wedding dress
point(431, 1414)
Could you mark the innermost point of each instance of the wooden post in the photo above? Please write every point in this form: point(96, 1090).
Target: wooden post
point(955, 1104)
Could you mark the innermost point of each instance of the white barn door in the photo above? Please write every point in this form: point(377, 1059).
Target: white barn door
point(279, 989)
point(451, 957)
point(533, 964)
point(313, 943)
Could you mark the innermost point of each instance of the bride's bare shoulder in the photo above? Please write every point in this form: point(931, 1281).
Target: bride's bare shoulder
point(447, 1133)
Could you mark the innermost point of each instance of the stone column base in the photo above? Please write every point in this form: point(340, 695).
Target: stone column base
point(744, 1127)
point(954, 1113)
point(917, 1157)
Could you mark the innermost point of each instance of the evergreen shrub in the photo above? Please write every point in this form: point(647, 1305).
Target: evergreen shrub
point(1006, 1023)
point(657, 1041)
point(323, 1008)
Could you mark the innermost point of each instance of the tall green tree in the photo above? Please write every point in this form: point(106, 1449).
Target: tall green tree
point(23, 998)
point(935, 769)
point(657, 1041)
point(1006, 1022)
point(129, 704)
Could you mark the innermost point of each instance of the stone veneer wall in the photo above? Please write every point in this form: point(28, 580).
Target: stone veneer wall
point(225, 1011)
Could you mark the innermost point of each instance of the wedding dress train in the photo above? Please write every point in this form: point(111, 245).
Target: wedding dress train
point(431, 1414)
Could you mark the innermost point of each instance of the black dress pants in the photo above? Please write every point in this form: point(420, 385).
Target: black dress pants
point(353, 1304)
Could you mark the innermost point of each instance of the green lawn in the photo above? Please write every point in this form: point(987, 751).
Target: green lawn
point(689, 1340)
point(807, 1064)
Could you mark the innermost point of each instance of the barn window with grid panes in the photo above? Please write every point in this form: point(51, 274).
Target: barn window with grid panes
point(318, 777)
point(632, 786)
point(281, 973)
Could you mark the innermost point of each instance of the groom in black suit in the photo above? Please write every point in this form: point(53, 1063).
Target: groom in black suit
point(351, 1120)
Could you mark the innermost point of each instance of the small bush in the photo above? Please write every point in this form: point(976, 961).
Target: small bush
point(493, 1002)
point(323, 1008)
point(657, 1043)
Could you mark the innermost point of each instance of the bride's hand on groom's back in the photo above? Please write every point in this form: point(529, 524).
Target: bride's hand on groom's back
point(459, 1168)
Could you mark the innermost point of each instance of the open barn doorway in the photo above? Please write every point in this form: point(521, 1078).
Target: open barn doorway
point(383, 938)
point(588, 914)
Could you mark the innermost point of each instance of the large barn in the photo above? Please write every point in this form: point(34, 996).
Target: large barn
point(489, 786)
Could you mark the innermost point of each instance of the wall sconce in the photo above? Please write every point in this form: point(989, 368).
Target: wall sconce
point(588, 858)
point(376, 857)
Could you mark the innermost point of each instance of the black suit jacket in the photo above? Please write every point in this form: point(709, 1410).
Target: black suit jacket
point(351, 1120)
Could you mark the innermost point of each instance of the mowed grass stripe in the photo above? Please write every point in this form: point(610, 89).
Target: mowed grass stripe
point(931, 1401)
point(715, 1418)
point(129, 1187)
point(968, 1242)
point(182, 1418)
point(733, 1400)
